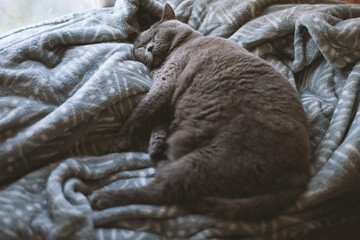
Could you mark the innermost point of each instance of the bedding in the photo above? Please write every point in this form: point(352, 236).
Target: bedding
point(68, 84)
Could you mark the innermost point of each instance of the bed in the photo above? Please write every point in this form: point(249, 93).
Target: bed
point(67, 85)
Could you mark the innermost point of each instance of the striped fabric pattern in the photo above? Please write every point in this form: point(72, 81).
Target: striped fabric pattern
point(68, 84)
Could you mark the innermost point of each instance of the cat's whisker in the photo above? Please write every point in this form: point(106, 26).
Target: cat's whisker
point(160, 48)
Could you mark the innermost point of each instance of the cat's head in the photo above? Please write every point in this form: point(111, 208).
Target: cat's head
point(152, 46)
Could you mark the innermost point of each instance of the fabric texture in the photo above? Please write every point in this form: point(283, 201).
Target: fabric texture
point(68, 84)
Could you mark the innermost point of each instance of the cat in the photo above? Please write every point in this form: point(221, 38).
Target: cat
point(235, 133)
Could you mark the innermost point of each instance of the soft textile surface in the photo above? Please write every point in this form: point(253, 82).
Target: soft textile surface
point(66, 86)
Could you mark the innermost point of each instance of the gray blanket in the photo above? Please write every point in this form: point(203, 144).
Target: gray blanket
point(68, 84)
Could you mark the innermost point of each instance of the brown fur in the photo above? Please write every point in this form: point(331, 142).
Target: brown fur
point(238, 140)
point(352, 1)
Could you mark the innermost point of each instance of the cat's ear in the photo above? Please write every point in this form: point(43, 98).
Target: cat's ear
point(168, 13)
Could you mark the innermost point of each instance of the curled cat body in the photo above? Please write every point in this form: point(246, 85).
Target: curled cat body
point(237, 138)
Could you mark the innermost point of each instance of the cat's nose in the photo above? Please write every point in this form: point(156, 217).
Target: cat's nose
point(150, 48)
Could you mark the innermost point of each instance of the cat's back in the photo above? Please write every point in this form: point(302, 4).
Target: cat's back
point(223, 64)
point(237, 103)
point(220, 73)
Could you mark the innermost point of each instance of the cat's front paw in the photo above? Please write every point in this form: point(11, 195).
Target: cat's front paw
point(102, 199)
point(157, 144)
point(157, 150)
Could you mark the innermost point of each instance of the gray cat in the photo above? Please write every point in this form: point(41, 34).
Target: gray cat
point(238, 137)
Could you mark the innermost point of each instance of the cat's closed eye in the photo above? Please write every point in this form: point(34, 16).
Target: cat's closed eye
point(150, 48)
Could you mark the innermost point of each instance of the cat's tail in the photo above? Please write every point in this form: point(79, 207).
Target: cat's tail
point(264, 206)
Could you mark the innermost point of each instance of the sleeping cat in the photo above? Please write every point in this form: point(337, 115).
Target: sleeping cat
point(237, 136)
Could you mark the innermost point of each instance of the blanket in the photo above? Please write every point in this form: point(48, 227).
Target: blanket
point(67, 85)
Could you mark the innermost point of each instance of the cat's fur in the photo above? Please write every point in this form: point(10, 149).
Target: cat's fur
point(238, 142)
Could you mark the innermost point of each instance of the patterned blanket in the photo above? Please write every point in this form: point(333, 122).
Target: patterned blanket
point(67, 85)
